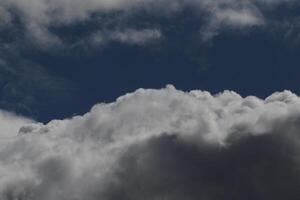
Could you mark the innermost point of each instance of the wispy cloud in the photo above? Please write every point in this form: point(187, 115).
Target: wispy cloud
point(39, 16)
point(127, 36)
point(26, 85)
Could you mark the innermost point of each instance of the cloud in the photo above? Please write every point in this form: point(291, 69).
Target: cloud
point(160, 144)
point(10, 124)
point(128, 36)
point(39, 17)
point(232, 18)
point(5, 17)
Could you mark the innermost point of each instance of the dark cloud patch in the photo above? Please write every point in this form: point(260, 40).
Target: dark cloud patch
point(256, 167)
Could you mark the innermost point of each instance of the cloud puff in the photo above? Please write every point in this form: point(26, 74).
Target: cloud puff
point(40, 16)
point(160, 144)
point(11, 123)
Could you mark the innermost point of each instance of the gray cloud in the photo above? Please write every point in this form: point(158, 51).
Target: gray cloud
point(160, 144)
point(127, 36)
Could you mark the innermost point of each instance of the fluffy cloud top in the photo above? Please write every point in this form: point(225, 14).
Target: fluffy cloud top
point(10, 124)
point(160, 144)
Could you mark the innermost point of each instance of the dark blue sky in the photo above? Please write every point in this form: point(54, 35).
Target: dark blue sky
point(60, 81)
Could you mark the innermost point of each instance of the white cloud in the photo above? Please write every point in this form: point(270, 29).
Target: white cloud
point(10, 124)
point(239, 18)
point(80, 158)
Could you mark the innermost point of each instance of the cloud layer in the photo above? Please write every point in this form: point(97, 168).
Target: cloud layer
point(39, 17)
point(160, 144)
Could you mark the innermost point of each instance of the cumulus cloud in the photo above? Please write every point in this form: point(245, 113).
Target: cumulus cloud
point(40, 16)
point(160, 144)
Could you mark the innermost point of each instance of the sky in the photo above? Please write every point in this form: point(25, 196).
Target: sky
point(149, 99)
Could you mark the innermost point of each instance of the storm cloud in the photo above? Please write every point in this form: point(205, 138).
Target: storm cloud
point(160, 144)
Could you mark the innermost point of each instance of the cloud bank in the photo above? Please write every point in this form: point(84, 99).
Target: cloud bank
point(160, 144)
point(39, 17)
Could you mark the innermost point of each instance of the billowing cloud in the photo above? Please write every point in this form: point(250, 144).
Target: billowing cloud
point(160, 144)
point(39, 17)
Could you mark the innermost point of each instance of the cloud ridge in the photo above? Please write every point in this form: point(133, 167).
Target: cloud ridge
point(160, 144)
